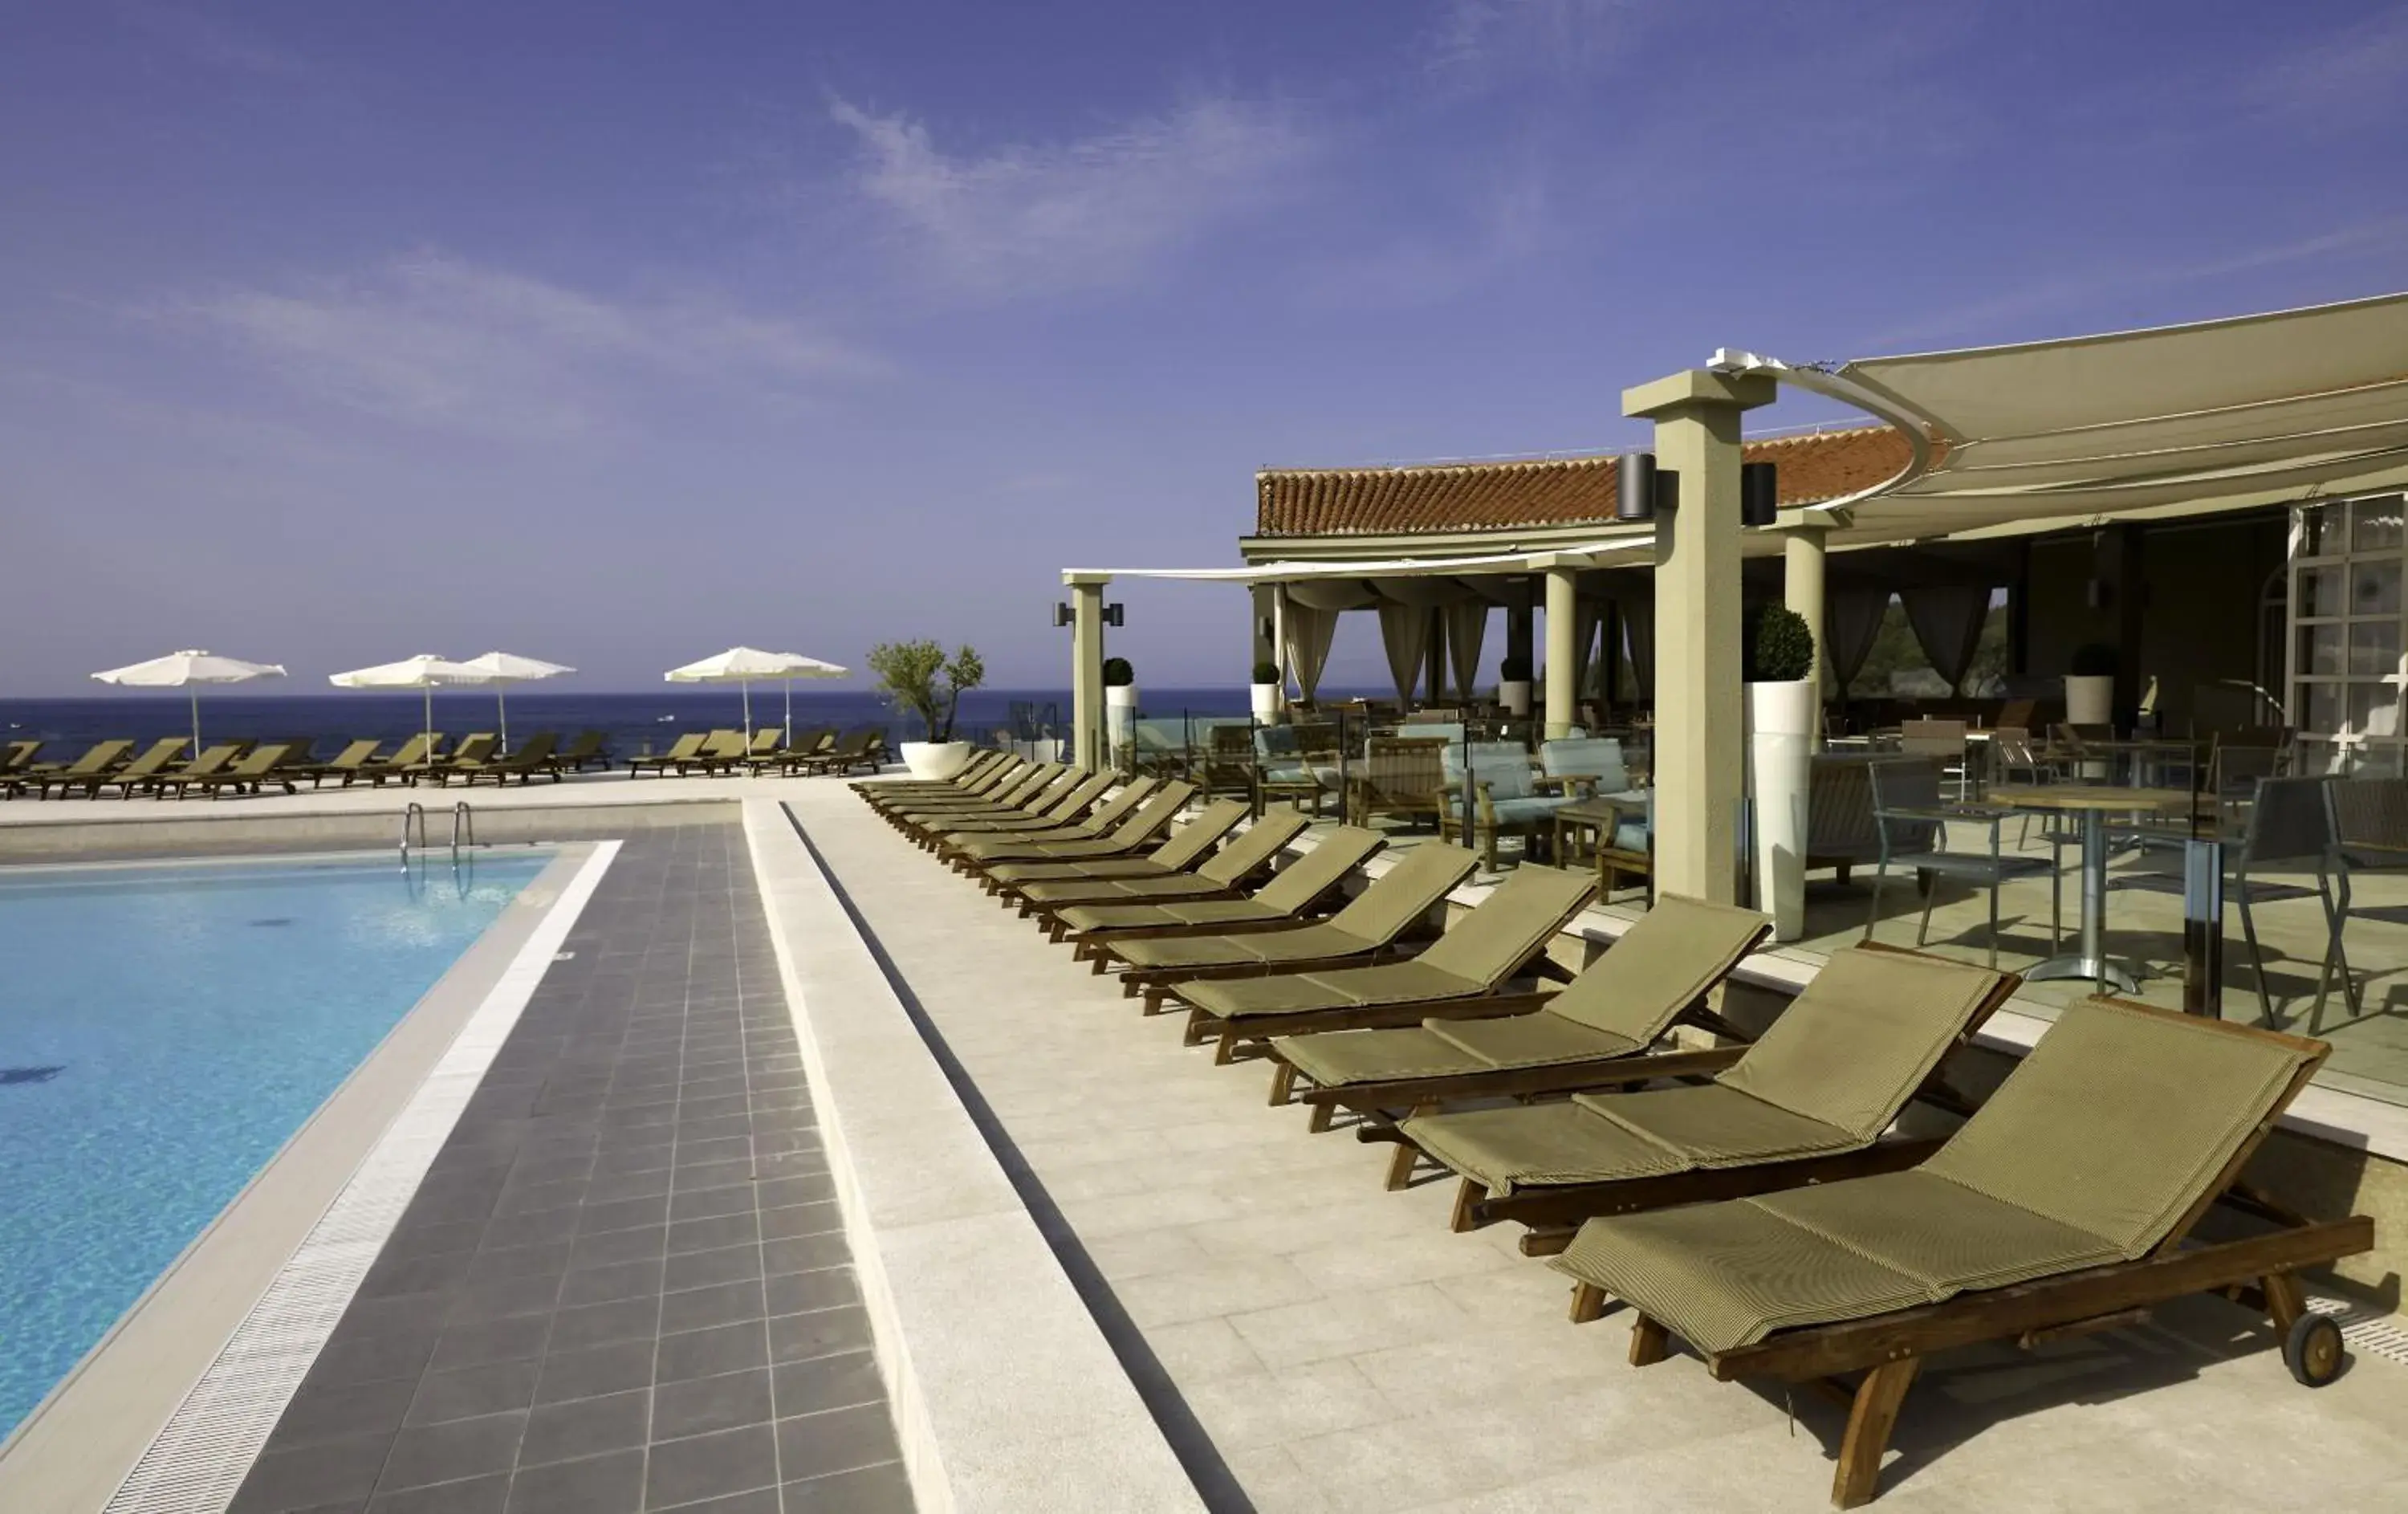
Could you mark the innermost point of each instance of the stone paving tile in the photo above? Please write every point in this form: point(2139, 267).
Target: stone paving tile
point(623, 1285)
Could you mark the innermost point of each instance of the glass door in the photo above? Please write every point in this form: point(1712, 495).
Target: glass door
point(2346, 675)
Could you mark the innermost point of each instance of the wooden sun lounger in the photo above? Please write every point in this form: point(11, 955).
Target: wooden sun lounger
point(590, 749)
point(684, 749)
point(863, 748)
point(1807, 1103)
point(962, 850)
point(1058, 812)
point(1457, 977)
point(1138, 828)
point(1371, 928)
point(347, 764)
point(2065, 1206)
point(984, 773)
point(1304, 888)
point(537, 759)
point(1597, 1031)
point(248, 776)
point(152, 761)
point(1026, 794)
point(409, 758)
point(1223, 874)
point(1175, 856)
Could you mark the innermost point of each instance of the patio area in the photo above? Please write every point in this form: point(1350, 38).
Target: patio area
point(1307, 1341)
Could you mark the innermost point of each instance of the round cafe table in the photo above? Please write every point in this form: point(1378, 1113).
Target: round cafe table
point(2094, 802)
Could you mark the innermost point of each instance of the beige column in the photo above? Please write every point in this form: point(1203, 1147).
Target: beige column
point(1087, 667)
point(1699, 734)
point(1563, 655)
point(1801, 584)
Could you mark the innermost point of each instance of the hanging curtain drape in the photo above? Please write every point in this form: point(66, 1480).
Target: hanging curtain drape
point(1467, 627)
point(1851, 621)
point(1588, 620)
point(1404, 630)
point(1309, 631)
point(1947, 620)
point(1638, 640)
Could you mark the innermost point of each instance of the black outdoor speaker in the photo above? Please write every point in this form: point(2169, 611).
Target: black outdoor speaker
point(1636, 480)
point(1760, 487)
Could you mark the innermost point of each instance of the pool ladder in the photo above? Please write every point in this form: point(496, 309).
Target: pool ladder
point(413, 822)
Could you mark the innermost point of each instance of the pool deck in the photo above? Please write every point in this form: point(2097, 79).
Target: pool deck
point(1196, 1272)
point(1309, 1341)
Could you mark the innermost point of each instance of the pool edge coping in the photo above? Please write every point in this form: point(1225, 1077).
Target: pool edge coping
point(83, 1444)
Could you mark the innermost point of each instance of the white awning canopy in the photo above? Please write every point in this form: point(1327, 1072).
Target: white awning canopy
point(2254, 409)
point(1613, 551)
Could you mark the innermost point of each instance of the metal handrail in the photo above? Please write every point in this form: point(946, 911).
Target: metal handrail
point(417, 812)
point(464, 819)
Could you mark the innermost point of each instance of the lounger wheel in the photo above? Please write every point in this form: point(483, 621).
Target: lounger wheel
point(2313, 1349)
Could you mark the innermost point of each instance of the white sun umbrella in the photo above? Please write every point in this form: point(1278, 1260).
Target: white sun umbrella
point(502, 670)
point(425, 672)
point(748, 666)
point(188, 670)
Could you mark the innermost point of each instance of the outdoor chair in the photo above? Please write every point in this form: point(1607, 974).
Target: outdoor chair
point(97, 759)
point(213, 759)
point(684, 749)
point(1400, 777)
point(722, 751)
point(1912, 823)
point(347, 764)
point(1368, 930)
point(1058, 812)
point(254, 772)
point(972, 789)
point(2369, 822)
point(1593, 764)
point(1457, 977)
point(475, 750)
point(2065, 1206)
point(1185, 847)
point(860, 749)
point(981, 773)
point(1944, 741)
point(1100, 932)
point(537, 759)
point(1221, 876)
point(1026, 794)
point(1229, 760)
point(1807, 1103)
point(1136, 830)
point(1298, 763)
point(808, 743)
point(153, 760)
point(1597, 1030)
point(590, 749)
point(1508, 797)
point(968, 851)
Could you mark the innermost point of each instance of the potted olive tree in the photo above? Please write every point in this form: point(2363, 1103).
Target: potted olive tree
point(1780, 649)
point(2090, 686)
point(918, 678)
point(1267, 692)
point(1120, 702)
point(1514, 685)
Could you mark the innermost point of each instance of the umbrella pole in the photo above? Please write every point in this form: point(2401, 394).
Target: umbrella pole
point(428, 689)
point(196, 723)
point(502, 704)
point(786, 733)
point(747, 686)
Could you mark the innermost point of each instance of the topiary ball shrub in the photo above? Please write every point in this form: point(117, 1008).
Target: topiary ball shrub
point(1514, 670)
point(2092, 659)
point(1267, 673)
point(1118, 673)
point(1781, 647)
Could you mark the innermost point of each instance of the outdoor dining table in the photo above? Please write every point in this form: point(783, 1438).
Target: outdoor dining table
point(2094, 803)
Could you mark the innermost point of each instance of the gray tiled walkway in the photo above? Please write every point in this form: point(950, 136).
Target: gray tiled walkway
point(623, 1285)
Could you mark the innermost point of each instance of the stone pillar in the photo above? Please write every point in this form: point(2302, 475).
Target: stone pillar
point(1266, 628)
point(1563, 648)
point(1087, 668)
point(1698, 725)
point(1801, 587)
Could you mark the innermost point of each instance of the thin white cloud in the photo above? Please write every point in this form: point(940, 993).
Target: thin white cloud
point(1095, 210)
point(2338, 77)
point(1483, 41)
point(216, 42)
point(435, 340)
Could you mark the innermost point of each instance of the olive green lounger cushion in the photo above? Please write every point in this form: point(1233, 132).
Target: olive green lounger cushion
point(1296, 886)
point(1132, 828)
point(1372, 919)
point(1830, 1075)
point(1232, 865)
point(1619, 1004)
point(1175, 856)
point(1477, 953)
point(1055, 814)
point(2092, 1150)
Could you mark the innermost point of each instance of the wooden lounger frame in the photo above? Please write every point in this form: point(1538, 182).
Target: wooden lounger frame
point(1484, 1004)
point(1554, 1211)
point(1050, 910)
point(1889, 1349)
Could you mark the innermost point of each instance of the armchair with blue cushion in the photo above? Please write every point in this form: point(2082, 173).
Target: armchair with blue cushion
point(1509, 794)
point(1297, 762)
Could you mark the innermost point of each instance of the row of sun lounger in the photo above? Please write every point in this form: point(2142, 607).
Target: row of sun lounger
point(162, 768)
point(720, 753)
point(1760, 1200)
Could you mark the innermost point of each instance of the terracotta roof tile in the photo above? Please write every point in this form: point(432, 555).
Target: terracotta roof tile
point(1476, 497)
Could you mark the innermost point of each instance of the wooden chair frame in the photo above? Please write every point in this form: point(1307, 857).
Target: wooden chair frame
point(1889, 1349)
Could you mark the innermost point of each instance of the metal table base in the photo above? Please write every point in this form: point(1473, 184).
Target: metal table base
point(2092, 961)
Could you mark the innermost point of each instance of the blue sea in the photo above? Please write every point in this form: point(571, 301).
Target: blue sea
point(635, 722)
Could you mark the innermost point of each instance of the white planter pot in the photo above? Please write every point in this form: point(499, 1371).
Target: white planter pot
point(1780, 741)
point(933, 761)
point(1120, 713)
point(1266, 704)
point(1514, 695)
point(2090, 699)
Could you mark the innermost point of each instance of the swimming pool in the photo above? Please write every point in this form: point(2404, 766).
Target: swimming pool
point(163, 1032)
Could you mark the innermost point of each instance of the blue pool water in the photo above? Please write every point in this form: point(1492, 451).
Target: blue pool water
point(163, 1032)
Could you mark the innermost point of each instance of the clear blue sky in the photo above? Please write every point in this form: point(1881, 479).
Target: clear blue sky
point(615, 333)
